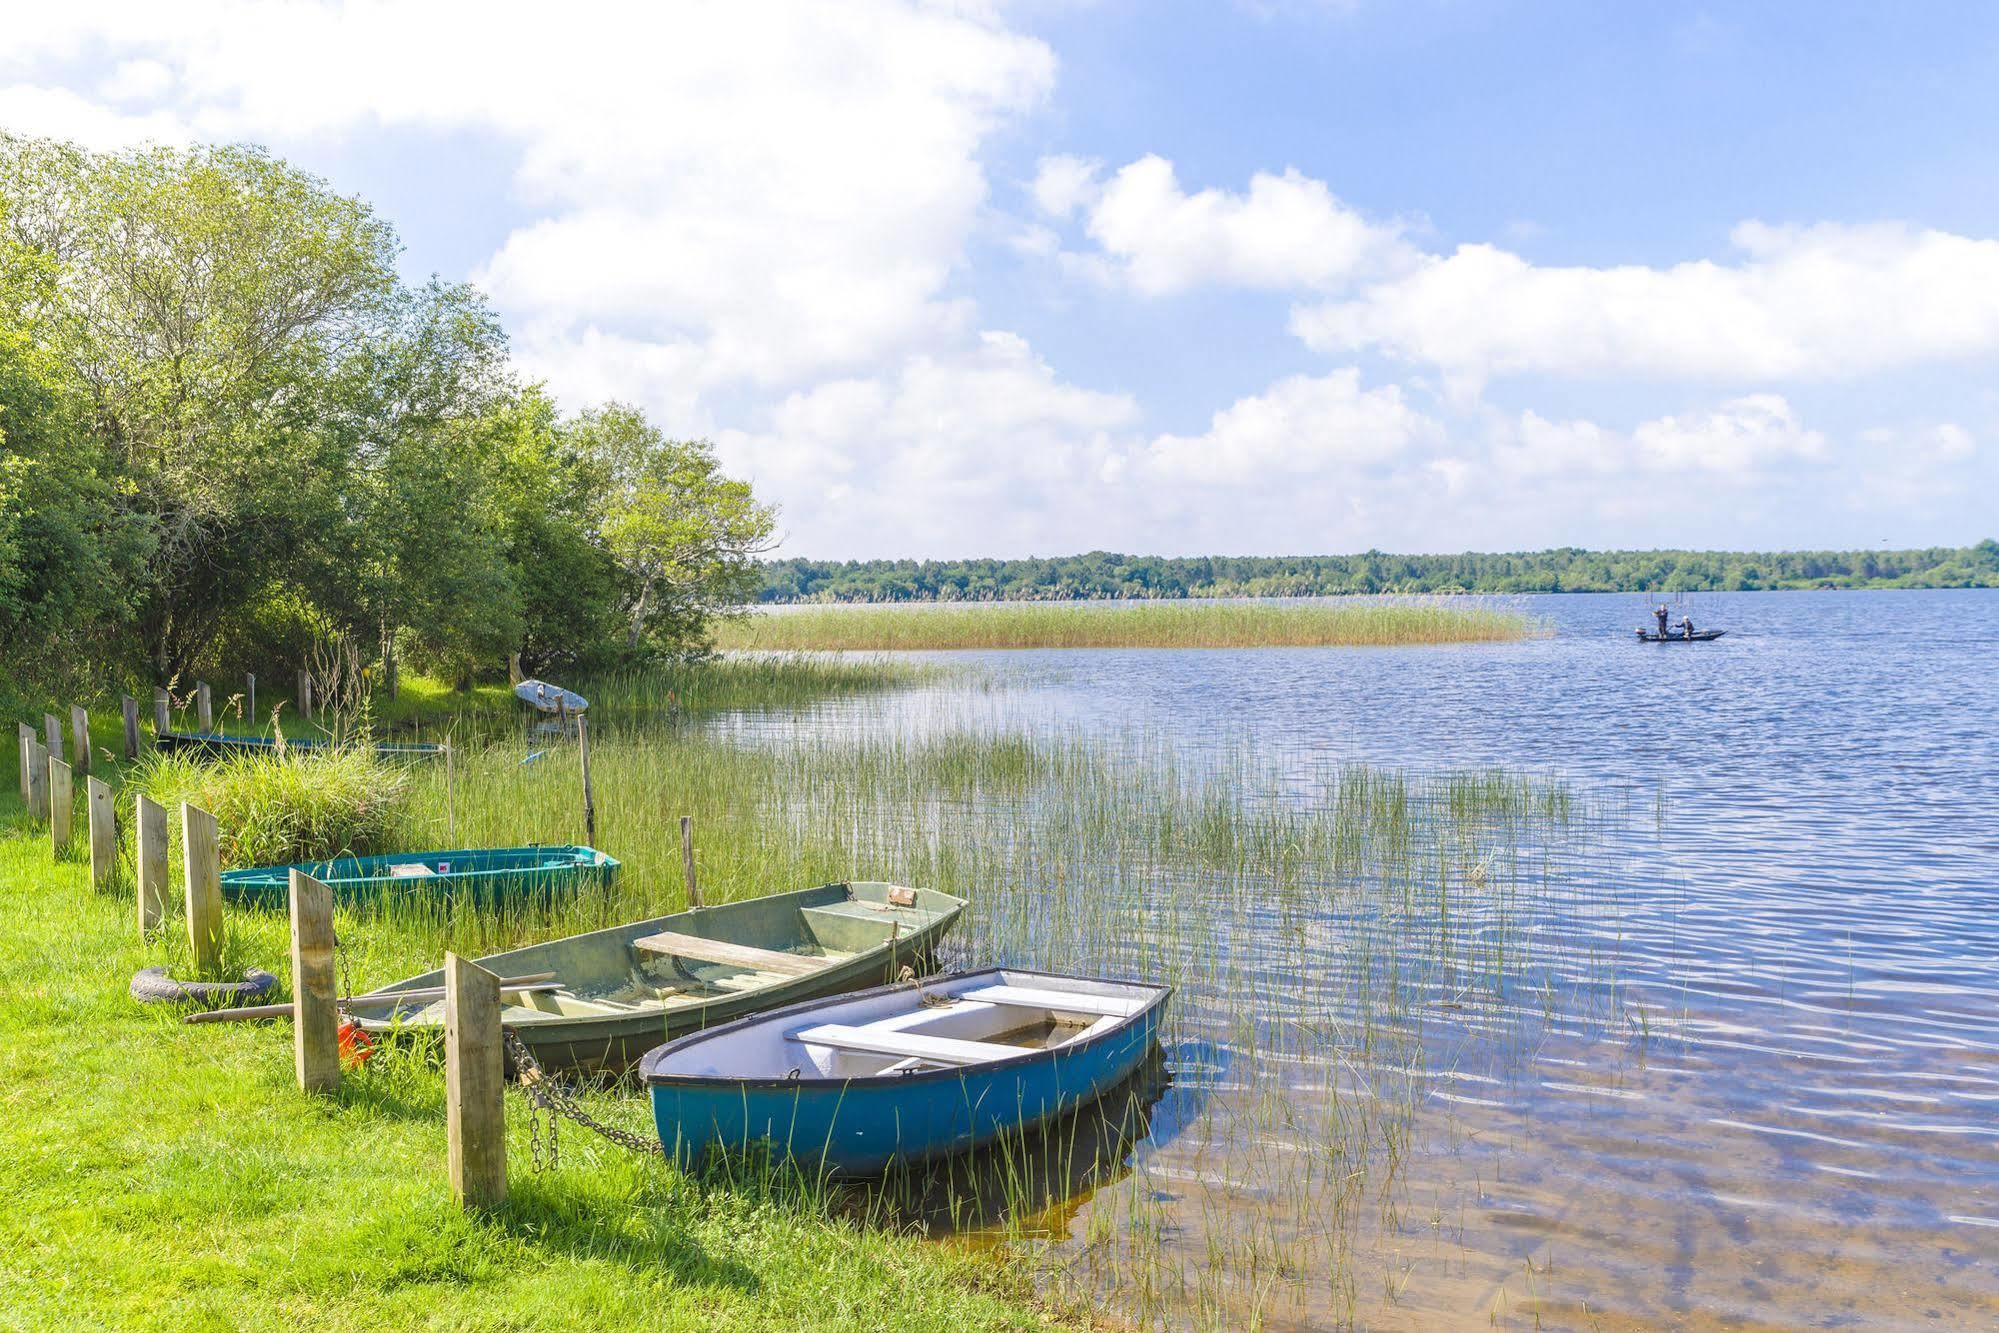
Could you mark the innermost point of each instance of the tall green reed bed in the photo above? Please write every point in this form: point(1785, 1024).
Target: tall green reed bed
point(656, 695)
point(1368, 621)
point(1326, 931)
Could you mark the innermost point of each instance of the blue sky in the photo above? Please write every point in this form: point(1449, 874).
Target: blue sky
point(957, 279)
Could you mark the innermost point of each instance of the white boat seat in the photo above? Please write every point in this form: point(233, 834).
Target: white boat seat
point(745, 956)
point(882, 1041)
point(1073, 1002)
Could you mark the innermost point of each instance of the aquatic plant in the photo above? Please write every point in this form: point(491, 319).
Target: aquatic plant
point(1371, 621)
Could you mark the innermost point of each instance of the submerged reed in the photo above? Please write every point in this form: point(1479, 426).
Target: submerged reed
point(1361, 621)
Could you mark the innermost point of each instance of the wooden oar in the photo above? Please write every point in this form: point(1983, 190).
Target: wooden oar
point(533, 982)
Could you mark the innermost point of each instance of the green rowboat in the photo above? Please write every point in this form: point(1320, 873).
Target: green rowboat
point(618, 993)
point(485, 875)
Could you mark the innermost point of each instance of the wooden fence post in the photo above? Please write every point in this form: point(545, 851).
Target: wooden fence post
point(589, 802)
point(62, 808)
point(474, 1084)
point(163, 719)
point(204, 714)
point(250, 683)
point(52, 727)
point(687, 859)
point(315, 1013)
point(201, 862)
point(151, 817)
point(38, 780)
point(130, 708)
point(103, 833)
point(79, 734)
point(27, 764)
point(305, 695)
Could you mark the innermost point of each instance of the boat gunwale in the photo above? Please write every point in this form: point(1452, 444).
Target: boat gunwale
point(278, 875)
point(549, 1027)
point(168, 740)
point(652, 1078)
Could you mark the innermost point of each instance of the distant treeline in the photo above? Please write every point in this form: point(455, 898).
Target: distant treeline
point(1101, 574)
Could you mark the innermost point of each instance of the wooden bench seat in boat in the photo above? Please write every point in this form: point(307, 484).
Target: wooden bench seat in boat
point(734, 955)
point(886, 1041)
point(1062, 1001)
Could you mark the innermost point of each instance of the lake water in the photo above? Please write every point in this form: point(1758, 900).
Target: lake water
point(1767, 1093)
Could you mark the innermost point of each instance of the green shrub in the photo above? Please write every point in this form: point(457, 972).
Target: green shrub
point(300, 806)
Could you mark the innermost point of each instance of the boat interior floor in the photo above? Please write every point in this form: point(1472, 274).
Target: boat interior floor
point(972, 1027)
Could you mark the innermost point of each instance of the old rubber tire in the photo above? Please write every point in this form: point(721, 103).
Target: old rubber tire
point(152, 985)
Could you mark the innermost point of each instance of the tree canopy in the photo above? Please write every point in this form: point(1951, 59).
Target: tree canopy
point(226, 423)
point(1102, 574)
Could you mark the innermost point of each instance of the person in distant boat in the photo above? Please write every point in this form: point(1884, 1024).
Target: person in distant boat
point(1687, 626)
point(1659, 614)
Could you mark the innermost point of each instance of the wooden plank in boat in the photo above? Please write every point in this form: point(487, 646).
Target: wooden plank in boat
point(880, 1041)
point(1062, 1001)
point(735, 955)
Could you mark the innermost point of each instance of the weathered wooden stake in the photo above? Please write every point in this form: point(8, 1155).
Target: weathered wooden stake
point(589, 802)
point(130, 708)
point(151, 817)
point(687, 859)
point(201, 863)
point(62, 807)
point(163, 719)
point(474, 1084)
point(204, 715)
point(305, 695)
point(52, 727)
point(103, 833)
point(79, 735)
point(250, 682)
point(315, 1013)
point(38, 780)
point(28, 744)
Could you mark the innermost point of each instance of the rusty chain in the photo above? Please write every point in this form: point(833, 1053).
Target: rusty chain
point(550, 1102)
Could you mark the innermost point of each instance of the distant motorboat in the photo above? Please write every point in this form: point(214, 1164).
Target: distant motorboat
point(1698, 636)
point(550, 698)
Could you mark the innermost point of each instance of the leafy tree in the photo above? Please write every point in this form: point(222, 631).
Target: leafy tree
point(204, 301)
point(684, 537)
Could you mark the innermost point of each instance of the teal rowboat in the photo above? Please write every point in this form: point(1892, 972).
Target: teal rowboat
point(220, 744)
point(618, 993)
point(485, 875)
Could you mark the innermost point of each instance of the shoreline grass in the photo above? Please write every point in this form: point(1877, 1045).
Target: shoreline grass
point(1370, 622)
point(1387, 891)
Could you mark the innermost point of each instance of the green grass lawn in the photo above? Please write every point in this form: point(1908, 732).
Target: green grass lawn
point(159, 1175)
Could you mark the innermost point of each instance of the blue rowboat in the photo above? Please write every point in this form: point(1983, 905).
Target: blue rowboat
point(900, 1074)
point(216, 744)
point(486, 875)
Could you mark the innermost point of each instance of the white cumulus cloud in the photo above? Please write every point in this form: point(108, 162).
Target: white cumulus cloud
point(1300, 426)
point(1798, 303)
point(1285, 232)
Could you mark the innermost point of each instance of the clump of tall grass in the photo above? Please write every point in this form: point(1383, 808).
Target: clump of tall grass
point(297, 806)
point(1372, 621)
